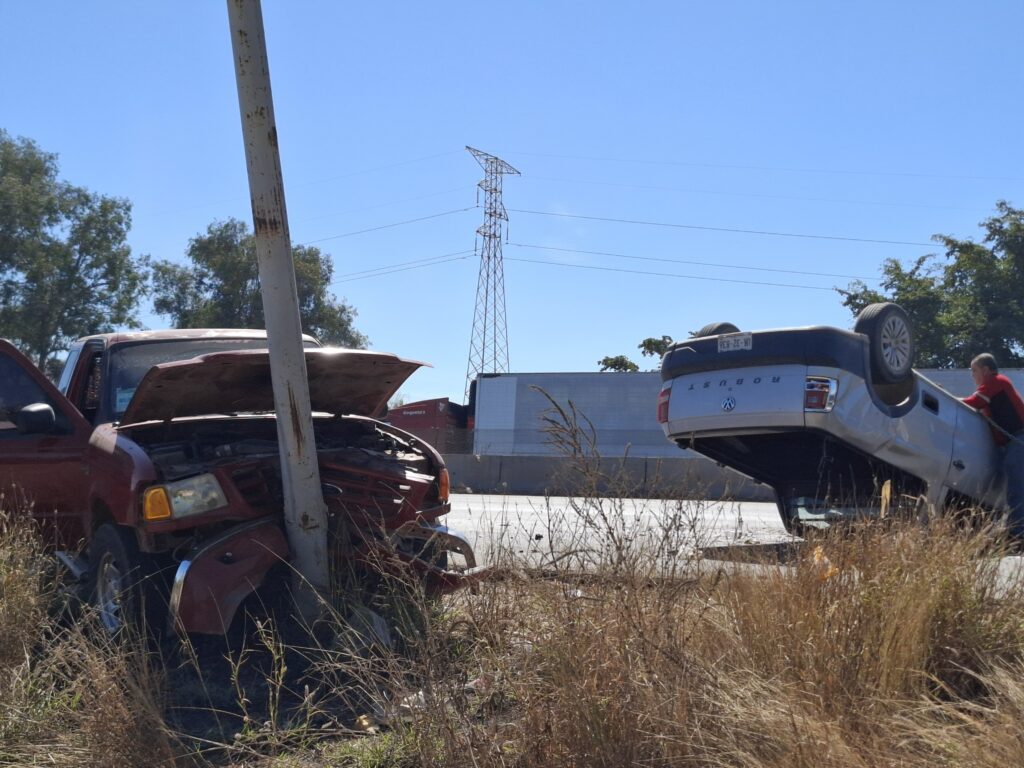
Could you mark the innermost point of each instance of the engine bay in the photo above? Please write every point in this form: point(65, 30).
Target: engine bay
point(186, 448)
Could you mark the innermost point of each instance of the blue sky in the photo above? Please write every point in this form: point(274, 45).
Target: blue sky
point(870, 121)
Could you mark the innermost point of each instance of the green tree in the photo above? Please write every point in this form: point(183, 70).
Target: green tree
point(220, 288)
point(654, 347)
point(649, 347)
point(965, 302)
point(66, 269)
point(618, 364)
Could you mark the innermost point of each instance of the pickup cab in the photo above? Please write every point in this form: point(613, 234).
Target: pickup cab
point(153, 471)
point(836, 422)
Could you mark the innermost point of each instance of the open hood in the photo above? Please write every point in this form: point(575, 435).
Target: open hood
point(341, 381)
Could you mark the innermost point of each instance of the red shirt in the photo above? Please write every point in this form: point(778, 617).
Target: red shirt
point(999, 401)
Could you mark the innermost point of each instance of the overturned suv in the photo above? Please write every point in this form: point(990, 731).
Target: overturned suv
point(153, 467)
point(836, 422)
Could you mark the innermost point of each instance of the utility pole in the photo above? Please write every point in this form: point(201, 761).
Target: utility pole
point(488, 344)
point(304, 510)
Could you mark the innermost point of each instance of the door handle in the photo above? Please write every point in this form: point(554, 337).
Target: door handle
point(958, 464)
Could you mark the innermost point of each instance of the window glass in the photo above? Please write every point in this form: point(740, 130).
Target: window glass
point(130, 362)
point(18, 389)
point(69, 367)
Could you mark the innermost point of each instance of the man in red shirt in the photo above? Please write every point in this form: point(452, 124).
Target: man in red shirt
point(996, 398)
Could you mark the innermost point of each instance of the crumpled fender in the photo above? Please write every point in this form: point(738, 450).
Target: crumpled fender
point(215, 579)
point(383, 553)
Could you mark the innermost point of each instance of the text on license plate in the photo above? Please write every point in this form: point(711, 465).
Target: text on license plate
point(735, 341)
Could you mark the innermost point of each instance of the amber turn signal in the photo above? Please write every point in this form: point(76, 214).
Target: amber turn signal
point(444, 485)
point(156, 505)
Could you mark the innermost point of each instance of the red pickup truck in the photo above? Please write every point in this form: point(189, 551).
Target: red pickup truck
point(153, 470)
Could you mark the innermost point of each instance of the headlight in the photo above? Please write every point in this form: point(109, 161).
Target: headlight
point(183, 498)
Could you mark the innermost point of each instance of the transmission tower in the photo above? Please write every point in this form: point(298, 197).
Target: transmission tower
point(488, 345)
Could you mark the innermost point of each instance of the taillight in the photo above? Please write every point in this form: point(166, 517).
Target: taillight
point(663, 396)
point(820, 394)
point(444, 485)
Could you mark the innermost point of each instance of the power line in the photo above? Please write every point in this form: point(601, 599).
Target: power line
point(385, 205)
point(447, 258)
point(836, 201)
point(723, 229)
point(836, 171)
point(686, 261)
point(463, 255)
point(300, 184)
point(672, 274)
point(389, 226)
point(388, 167)
point(404, 266)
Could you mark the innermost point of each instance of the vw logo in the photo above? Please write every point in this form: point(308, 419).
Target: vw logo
point(728, 404)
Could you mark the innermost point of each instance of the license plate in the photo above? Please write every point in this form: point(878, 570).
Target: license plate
point(735, 341)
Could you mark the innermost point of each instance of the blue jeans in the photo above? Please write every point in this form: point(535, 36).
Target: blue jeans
point(1013, 468)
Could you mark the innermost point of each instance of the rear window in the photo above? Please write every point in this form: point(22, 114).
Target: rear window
point(128, 363)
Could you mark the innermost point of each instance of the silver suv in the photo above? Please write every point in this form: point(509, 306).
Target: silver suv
point(835, 421)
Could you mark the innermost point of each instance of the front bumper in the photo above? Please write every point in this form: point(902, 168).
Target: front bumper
point(211, 583)
point(435, 539)
point(216, 577)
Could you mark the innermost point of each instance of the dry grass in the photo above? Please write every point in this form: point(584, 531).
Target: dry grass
point(68, 695)
point(886, 645)
point(24, 596)
point(893, 646)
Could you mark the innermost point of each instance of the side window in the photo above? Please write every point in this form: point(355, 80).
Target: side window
point(93, 388)
point(18, 389)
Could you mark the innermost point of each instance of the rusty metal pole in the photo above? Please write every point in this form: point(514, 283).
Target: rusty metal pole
point(304, 510)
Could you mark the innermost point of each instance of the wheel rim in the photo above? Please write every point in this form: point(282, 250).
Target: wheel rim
point(895, 345)
point(109, 592)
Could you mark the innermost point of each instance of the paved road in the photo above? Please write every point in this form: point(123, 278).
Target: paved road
point(543, 530)
point(549, 531)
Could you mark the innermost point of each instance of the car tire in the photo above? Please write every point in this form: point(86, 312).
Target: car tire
point(890, 339)
point(790, 520)
point(713, 329)
point(116, 578)
point(791, 523)
point(435, 556)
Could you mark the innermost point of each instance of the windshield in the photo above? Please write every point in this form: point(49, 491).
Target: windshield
point(130, 362)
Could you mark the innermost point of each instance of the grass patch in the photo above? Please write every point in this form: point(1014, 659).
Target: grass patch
point(68, 694)
point(890, 644)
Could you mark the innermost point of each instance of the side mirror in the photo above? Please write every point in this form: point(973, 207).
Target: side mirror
point(35, 419)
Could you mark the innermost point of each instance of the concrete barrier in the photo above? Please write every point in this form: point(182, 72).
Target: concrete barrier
point(624, 477)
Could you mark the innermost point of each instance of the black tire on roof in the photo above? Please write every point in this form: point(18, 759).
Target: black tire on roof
point(713, 329)
point(891, 341)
